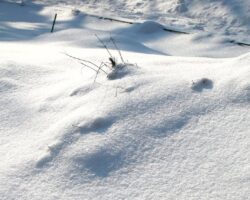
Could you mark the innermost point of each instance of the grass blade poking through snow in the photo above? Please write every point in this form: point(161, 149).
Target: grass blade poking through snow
point(113, 71)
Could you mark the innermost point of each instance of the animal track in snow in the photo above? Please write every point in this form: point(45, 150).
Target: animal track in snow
point(72, 135)
point(83, 90)
point(201, 84)
point(100, 163)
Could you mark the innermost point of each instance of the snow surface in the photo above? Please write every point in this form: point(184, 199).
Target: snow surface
point(172, 122)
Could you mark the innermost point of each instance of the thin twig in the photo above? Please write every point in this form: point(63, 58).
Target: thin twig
point(88, 66)
point(86, 61)
point(102, 64)
point(114, 43)
point(81, 59)
point(104, 45)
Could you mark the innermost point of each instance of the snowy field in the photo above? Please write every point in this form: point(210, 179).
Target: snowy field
point(170, 120)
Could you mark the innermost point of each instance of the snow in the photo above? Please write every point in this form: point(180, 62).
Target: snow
point(171, 121)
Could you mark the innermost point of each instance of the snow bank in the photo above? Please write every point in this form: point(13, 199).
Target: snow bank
point(151, 134)
point(165, 127)
point(227, 17)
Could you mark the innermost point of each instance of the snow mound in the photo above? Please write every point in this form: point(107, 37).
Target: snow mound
point(149, 27)
point(176, 127)
point(227, 17)
point(122, 70)
point(98, 138)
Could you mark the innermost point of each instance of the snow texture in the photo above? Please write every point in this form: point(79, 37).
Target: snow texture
point(169, 121)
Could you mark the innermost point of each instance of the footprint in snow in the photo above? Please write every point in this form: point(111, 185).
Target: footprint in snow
point(202, 84)
point(100, 163)
point(99, 125)
point(96, 125)
point(83, 90)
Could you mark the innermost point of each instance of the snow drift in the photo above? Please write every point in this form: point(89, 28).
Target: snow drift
point(172, 124)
